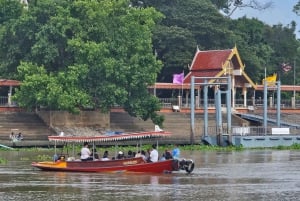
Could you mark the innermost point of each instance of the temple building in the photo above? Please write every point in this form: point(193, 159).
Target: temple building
point(214, 64)
point(222, 63)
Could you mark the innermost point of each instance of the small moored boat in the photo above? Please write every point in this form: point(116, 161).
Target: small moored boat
point(118, 165)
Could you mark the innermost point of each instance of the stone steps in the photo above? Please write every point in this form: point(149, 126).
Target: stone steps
point(29, 124)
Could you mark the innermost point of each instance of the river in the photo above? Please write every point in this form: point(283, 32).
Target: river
point(235, 176)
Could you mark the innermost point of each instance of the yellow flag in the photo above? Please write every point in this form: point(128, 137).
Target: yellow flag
point(271, 80)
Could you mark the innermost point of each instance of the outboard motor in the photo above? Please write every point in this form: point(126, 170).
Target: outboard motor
point(187, 165)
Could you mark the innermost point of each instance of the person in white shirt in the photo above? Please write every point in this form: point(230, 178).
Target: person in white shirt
point(153, 157)
point(85, 153)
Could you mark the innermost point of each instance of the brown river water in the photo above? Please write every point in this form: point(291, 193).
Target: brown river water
point(235, 176)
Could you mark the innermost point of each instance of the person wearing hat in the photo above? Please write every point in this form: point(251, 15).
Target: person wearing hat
point(120, 155)
point(85, 154)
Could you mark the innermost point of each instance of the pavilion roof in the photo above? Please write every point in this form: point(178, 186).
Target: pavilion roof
point(219, 63)
point(6, 82)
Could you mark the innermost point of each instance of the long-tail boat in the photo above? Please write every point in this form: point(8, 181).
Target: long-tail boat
point(137, 164)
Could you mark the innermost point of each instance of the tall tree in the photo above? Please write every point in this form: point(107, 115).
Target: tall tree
point(187, 24)
point(90, 52)
point(229, 6)
point(253, 48)
point(297, 8)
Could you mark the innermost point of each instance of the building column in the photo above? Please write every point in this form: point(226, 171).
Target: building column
point(197, 101)
point(9, 96)
point(245, 96)
point(294, 102)
point(233, 92)
point(187, 98)
point(179, 101)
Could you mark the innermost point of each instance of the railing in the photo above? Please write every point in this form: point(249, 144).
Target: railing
point(3, 101)
point(243, 131)
point(169, 102)
point(239, 103)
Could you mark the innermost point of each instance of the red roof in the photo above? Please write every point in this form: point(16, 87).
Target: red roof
point(4, 82)
point(207, 63)
point(212, 59)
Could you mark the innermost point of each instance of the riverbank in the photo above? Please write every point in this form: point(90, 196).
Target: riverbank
point(161, 148)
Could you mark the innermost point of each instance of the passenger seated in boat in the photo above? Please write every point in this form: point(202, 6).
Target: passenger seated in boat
point(166, 156)
point(58, 157)
point(143, 153)
point(162, 158)
point(138, 154)
point(85, 154)
point(55, 157)
point(130, 154)
point(153, 157)
point(120, 155)
point(95, 154)
point(105, 156)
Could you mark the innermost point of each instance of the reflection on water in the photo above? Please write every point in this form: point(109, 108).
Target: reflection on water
point(246, 175)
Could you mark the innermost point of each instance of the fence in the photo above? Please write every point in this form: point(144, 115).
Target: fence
point(3, 101)
point(248, 130)
point(258, 103)
point(185, 103)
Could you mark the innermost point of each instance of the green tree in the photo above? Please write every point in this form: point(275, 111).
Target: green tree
point(96, 53)
point(57, 91)
point(255, 52)
point(284, 43)
point(296, 8)
point(187, 24)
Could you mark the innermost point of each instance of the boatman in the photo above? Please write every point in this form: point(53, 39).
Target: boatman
point(176, 152)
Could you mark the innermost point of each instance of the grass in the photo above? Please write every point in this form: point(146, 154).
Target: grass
point(3, 161)
point(125, 149)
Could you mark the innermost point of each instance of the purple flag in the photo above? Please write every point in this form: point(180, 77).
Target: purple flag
point(178, 78)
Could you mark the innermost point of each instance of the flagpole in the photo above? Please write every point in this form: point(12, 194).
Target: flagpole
point(265, 73)
point(294, 78)
point(182, 85)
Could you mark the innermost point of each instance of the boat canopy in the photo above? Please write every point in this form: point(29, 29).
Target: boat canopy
point(111, 138)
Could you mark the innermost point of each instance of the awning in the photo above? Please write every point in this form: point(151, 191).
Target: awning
point(110, 138)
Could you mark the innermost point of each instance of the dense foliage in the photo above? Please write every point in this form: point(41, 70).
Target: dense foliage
point(191, 23)
point(74, 54)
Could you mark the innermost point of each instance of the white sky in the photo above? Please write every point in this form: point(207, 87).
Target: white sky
point(281, 12)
